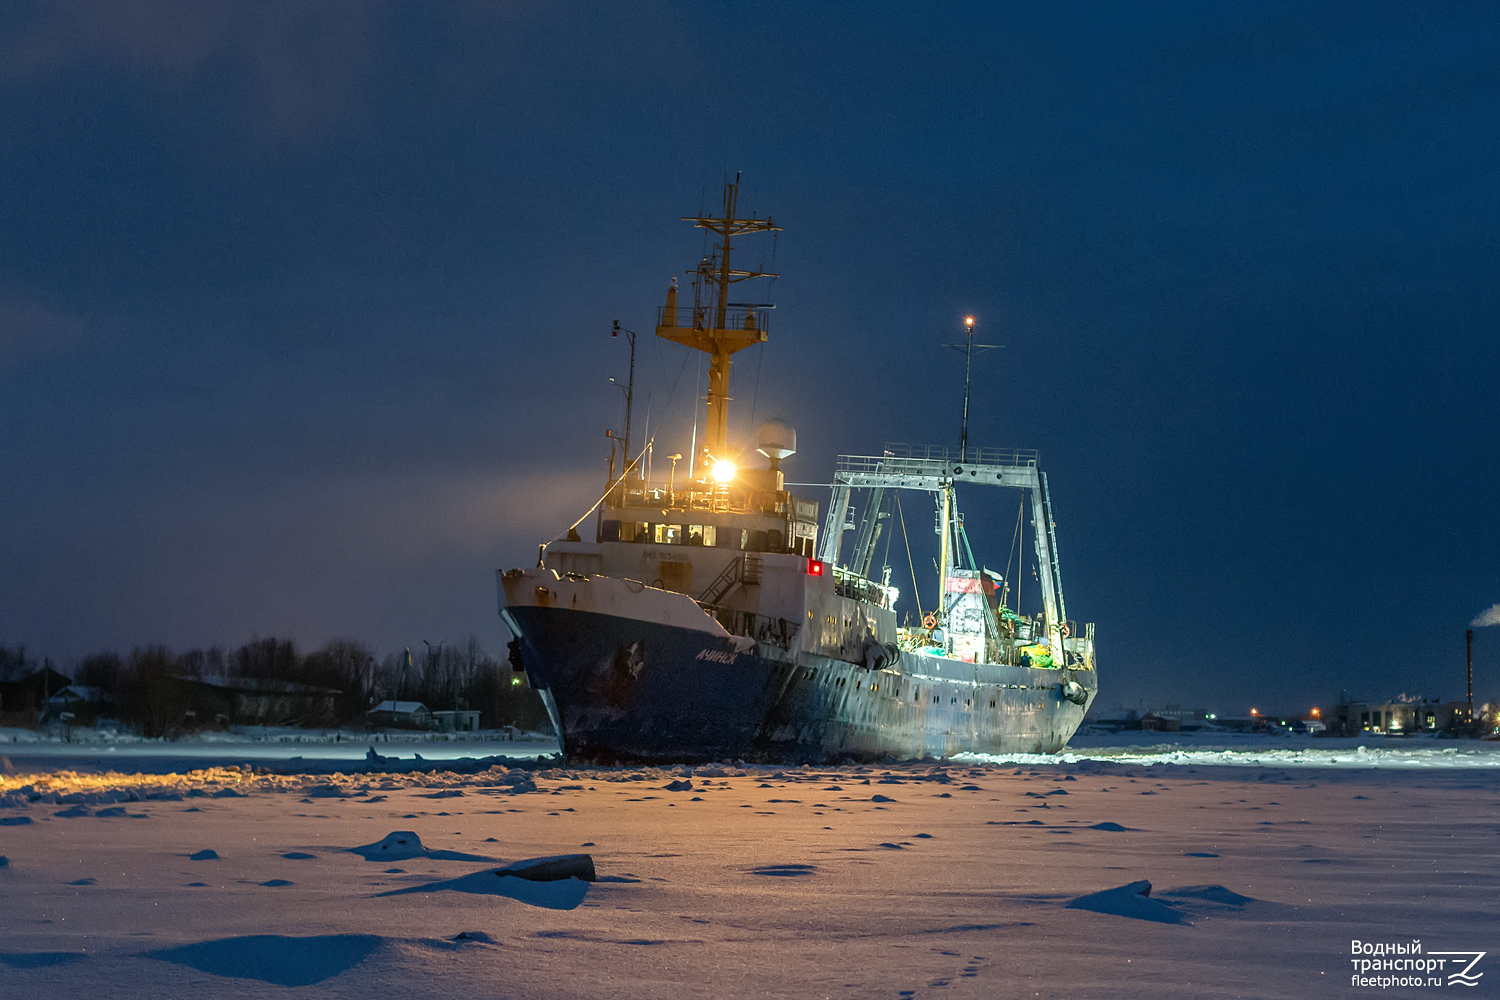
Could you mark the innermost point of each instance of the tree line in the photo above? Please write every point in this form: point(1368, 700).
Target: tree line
point(153, 687)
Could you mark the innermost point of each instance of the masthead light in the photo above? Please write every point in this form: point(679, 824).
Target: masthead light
point(968, 321)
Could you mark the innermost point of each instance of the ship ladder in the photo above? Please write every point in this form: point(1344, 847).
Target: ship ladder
point(743, 569)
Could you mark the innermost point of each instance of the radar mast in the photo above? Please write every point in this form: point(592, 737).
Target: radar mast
point(715, 325)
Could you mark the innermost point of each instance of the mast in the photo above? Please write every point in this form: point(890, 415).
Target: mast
point(718, 327)
point(945, 505)
point(946, 501)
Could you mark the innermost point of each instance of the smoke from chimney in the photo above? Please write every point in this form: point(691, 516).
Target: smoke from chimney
point(1490, 617)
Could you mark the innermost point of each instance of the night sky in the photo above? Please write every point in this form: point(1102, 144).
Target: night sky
point(305, 308)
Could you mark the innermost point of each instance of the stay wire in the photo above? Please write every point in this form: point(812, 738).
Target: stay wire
point(595, 506)
point(1013, 540)
point(911, 565)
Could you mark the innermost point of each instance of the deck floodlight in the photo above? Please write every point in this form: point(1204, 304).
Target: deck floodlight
point(724, 471)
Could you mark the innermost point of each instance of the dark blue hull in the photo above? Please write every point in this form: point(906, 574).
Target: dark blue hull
point(626, 690)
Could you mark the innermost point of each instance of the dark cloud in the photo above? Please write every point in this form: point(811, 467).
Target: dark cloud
point(301, 66)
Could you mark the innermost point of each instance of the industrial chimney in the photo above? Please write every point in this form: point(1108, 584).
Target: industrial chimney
point(1469, 676)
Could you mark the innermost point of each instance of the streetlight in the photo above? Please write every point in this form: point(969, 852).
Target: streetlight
point(629, 389)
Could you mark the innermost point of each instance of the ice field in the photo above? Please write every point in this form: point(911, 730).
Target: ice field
point(962, 879)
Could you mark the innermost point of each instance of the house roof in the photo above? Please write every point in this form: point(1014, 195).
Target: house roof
point(399, 707)
point(81, 692)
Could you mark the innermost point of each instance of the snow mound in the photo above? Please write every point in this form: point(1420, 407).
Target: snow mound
point(562, 894)
point(1207, 894)
point(275, 958)
point(403, 845)
point(1132, 900)
point(207, 854)
point(479, 936)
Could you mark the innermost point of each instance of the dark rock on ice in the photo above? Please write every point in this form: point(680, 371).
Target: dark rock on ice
point(553, 869)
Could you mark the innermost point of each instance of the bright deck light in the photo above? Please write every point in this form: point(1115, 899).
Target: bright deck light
point(724, 471)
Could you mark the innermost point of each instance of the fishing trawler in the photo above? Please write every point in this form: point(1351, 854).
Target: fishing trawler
point(721, 618)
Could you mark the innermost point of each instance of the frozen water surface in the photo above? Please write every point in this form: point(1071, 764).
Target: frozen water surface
point(952, 879)
point(1262, 751)
point(88, 750)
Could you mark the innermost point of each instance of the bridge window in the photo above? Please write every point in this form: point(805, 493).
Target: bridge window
point(668, 534)
point(695, 534)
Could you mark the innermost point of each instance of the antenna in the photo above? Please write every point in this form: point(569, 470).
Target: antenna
point(968, 347)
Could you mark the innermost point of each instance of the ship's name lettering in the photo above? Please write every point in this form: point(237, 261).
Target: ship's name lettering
point(718, 656)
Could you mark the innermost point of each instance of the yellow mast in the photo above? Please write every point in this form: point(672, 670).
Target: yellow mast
point(945, 502)
point(711, 327)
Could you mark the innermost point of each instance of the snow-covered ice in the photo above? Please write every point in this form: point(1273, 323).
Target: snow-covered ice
point(963, 879)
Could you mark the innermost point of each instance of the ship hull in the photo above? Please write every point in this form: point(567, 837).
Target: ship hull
point(624, 689)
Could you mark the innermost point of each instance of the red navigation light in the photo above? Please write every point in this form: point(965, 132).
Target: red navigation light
point(814, 567)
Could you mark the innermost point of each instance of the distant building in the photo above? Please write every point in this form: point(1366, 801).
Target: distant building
point(22, 702)
point(79, 704)
point(404, 714)
point(1151, 722)
point(455, 721)
point(1174, 710)
point(253, 701)
point(1398, 718)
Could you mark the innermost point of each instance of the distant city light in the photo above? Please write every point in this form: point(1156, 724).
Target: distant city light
point(724, 471)
point(1254, 712)
point(1316, 713)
